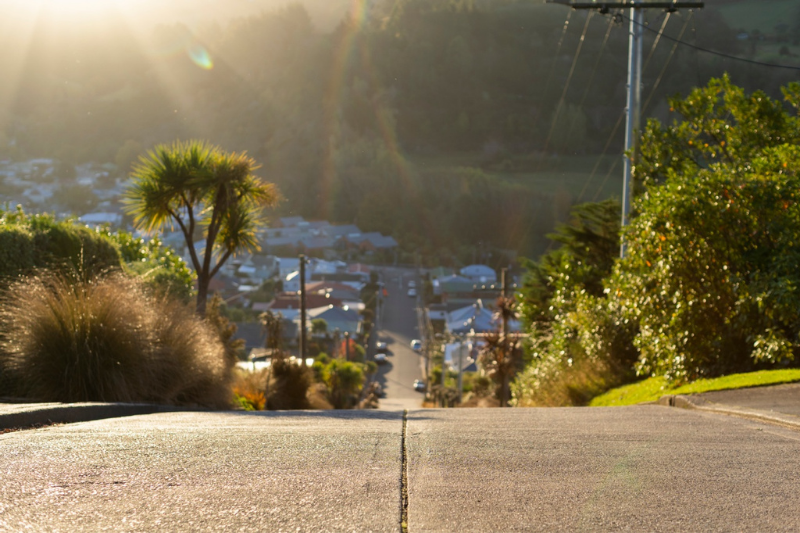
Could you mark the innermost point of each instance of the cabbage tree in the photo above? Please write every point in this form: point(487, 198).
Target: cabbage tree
point(211, 195)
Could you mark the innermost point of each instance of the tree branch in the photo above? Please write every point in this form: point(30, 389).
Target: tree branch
point(189, 239)
point(221, 262)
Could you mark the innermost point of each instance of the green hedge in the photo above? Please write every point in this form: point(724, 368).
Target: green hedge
point(28, 242)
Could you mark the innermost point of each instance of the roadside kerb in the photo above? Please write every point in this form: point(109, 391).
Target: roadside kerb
point(699, 404)
point(13, 416)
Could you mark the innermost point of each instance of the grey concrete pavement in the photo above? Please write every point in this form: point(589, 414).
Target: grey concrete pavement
point(303, 471)
point(784, 399)
point(777, 404)
point(20, 415)
point(641, 468)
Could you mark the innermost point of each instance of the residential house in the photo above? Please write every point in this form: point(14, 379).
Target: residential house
point(345, 319)
point(456, 291)
point(479, 273)
point(339, 291)
point(475, 318)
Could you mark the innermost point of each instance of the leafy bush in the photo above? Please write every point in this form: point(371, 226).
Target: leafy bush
point(107, 339)
point(580, 343)
point(159, 267)
point(344, 380)
point(28, 242)
point(712, 277)
point(585, 350)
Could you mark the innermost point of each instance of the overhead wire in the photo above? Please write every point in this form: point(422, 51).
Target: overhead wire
point(616, 125)
point(597, 62)
point(569, 80)
point(649, 98)
point(666, 64)
point(714, 52)
point(558, 51)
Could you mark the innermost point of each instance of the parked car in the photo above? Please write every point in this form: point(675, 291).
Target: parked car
point(412, 284)
point(412, 292)
point(380, 358)
point(419, 385)
point(380, 347)
point(416, 345)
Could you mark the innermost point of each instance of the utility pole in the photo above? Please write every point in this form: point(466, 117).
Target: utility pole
point(633, 111)
point(303, 309)
point(634, 104)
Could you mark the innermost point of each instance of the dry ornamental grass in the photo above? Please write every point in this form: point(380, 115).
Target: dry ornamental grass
point(107, 339)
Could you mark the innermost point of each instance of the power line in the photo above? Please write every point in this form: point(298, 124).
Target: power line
point(555, 57)
point(569, 80)
point(666, 64)
point(617, 124)
point(603, 184)
point(655, 44)
point(590, 83)
point(708, 51)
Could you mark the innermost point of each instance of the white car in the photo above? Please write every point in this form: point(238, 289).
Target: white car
point(416, 345)
point(412, 293)
point(380, 358)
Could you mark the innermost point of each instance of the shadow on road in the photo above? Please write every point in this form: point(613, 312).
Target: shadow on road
point(341, 414)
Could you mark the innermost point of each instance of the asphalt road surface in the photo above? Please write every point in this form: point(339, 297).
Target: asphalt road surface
point(641, 468)
point(398, 329)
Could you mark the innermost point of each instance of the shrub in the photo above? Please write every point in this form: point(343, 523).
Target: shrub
point(586, 350)
point(249, 389)
point(28, 242)
point(712, 275)
point(344, 380)
point(160, 267)
point(289, 386)
point(107, 339)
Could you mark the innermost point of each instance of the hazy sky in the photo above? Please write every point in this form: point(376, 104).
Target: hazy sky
point(152, 12)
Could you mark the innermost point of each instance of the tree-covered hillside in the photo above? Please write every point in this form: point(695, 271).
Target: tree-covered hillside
point(447, 123)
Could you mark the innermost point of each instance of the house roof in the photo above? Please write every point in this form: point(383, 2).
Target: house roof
point(341, 231)
point(316, 243)
point(318, 286)
point(288, 222)
point(479, 272)
point(339, 314)
point(292, 301)
point(381, 241)
point(376, 239)
point(475, 317)
point(359, 268)
point(291, 240)
point(288, 263)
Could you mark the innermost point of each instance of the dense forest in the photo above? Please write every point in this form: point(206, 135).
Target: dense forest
point(462, 128)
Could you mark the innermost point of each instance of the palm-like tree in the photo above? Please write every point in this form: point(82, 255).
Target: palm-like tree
point(201, 188)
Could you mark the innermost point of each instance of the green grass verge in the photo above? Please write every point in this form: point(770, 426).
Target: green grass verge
point(652, 389)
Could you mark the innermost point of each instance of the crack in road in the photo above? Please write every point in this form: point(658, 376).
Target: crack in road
point(404, 475)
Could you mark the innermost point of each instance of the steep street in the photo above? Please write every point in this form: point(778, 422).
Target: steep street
point(398, 328)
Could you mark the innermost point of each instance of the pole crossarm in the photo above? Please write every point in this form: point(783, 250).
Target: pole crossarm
point(604, 6)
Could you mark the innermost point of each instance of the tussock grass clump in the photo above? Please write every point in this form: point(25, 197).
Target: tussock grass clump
point(109, 340)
